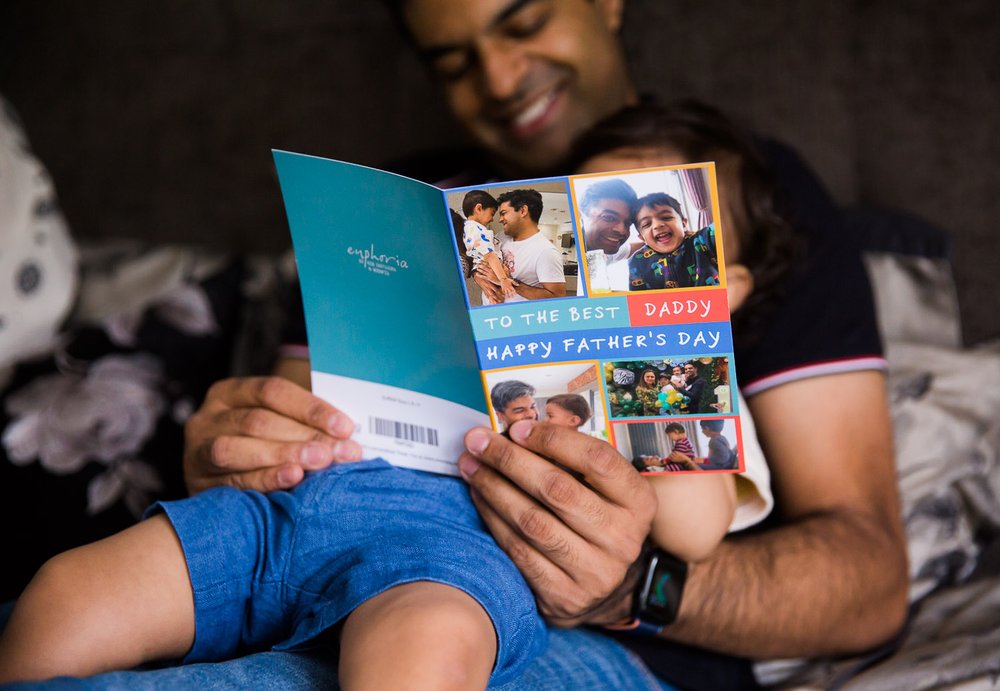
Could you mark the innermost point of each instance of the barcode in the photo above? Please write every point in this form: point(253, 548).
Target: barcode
point(403, 430)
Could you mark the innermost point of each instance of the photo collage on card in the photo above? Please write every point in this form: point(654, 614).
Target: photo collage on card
point(598, 302)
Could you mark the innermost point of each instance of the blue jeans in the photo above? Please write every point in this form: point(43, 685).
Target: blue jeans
point(575, 660)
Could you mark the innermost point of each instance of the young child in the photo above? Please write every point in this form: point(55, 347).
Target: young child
point(679, 441)
point(568, 410)
point(479, 208)
point(397, 558)
point(671, 258)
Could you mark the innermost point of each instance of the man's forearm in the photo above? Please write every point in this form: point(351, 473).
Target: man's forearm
point(827, 584)
point(538, 292)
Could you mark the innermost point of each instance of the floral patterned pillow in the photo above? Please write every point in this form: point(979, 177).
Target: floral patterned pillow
point(92, 432)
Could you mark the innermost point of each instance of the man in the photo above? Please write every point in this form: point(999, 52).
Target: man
point(534, 262)
point(512, 401)
point(524, 77)
point(694, 387)
point(607, 215)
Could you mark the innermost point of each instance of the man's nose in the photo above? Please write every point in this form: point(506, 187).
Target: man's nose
point(502, 70)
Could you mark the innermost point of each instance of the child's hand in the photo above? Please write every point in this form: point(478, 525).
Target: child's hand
point(507, 286)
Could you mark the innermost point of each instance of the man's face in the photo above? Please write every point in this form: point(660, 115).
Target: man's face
point(524, 77)
point(510, 219)
point(661, 227)
point(690, 372)
point(522, 408)
point(606, 225)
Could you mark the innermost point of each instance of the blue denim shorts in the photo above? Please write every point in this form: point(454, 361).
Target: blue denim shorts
point(279, 569)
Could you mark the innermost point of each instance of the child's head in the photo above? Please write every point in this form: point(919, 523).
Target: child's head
point(712, 428)
point(660, 223)
point(759, 243)
point(677, 371)
point(479, 206)
point(567, 410)
point(664, 379)
point(675, 431)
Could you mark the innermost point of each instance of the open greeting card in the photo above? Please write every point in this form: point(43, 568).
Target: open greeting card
point(592, 301)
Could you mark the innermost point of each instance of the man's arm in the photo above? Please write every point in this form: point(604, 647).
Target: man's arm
point(263, 433)
point(832, 578)
point(539, 292)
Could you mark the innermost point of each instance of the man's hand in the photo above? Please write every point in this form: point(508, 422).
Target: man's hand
point(488, 282)
point(263, 433)
point(574, 540)
point(684, 460)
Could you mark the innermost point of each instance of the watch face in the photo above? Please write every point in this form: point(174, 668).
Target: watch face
point(661, 597)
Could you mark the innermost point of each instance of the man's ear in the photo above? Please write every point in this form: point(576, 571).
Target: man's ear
point(611, 12)
point(739, 285)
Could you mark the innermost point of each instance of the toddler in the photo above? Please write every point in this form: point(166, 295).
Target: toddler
point(481, 246)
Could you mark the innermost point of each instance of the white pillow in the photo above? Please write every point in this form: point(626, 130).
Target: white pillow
point(38, 261)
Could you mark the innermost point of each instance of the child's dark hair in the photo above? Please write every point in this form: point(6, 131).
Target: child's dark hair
point(655, 199)
point(712, 425)
point(768, 244)
point(529, 198)
point(674, 427)
point(574, 403)
point(473, 197)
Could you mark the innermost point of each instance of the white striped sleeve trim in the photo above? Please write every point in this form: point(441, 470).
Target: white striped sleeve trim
point(818, 369)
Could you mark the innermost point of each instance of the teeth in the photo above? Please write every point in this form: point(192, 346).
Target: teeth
point(535, 110)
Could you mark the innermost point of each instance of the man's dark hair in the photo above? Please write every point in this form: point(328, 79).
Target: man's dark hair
point(529, 198)
point(574, 403)
point(674, 427)
point(696, 365)
point(473, 197)
point(613, 188)
point(655, 199)
point(506, 391)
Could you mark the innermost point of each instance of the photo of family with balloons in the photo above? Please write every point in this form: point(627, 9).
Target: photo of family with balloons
point(643, 388)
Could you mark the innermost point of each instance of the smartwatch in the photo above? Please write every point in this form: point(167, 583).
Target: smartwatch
point(657, 594)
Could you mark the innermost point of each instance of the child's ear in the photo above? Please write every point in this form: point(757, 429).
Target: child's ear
point(739, 285)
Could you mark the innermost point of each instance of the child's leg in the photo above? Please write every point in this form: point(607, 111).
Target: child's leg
point(420, 635)
point(110, 605)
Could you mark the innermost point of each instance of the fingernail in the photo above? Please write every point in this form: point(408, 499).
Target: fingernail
point(467, 466)
point(347, 450)
point(520, 430)
point(340, 425)
point(287, 477)
point(315, 455)
point(477, 440)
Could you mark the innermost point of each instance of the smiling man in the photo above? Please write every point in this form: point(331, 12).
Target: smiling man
point(524, 77)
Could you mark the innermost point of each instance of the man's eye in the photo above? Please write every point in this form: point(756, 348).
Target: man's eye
point(527, 22)
point(452, 66)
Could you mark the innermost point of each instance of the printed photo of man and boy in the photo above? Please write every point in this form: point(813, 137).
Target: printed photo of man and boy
point(652, 230)
point(515, 242)
point(657, 447)
point(564, 394)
